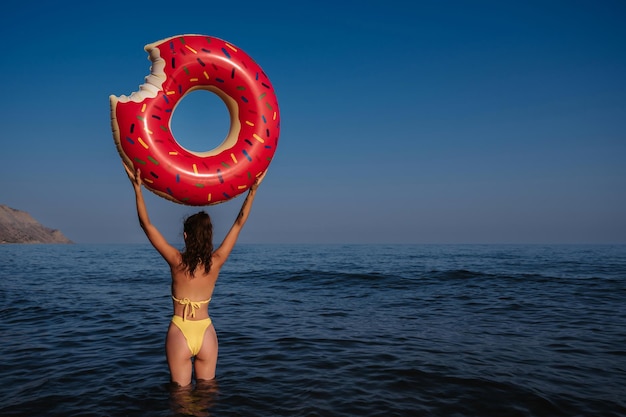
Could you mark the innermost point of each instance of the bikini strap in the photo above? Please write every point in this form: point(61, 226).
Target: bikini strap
point(194, 305)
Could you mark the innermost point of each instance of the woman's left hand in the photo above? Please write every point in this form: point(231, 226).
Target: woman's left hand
point(134, 177)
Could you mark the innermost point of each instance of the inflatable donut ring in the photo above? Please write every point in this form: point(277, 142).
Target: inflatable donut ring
point(141, 121)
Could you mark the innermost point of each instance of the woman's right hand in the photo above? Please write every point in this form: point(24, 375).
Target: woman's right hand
point(257, 182)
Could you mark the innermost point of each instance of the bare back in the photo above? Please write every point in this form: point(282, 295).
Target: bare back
point(198, 287)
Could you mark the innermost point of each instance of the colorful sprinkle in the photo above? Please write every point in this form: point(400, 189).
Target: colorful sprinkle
point(154, 161)
point(206, 75)
point(230, 46)
point(143, 108)
point(232, 155)
point(226, 53)
point(173, 152)
point(142, 143)
point(132, 142)
point(246, 155)
point(259, 138)
point(195, 169)
point(201, 63)
point(219, 176)
point(191, 49)
point(249, 123)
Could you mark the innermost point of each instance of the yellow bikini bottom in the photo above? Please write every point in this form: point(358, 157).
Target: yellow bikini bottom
point(193, 330)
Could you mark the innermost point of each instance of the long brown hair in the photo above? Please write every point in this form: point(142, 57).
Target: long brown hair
point(198, 242)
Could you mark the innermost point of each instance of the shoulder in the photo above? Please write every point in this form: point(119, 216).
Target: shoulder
point(217, 260)
point(175, 259)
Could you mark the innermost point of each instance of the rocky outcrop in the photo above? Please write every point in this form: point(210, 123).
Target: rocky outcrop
point(19, 227)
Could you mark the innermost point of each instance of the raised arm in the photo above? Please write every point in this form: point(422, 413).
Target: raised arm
point(222, 253)
point(167, 251)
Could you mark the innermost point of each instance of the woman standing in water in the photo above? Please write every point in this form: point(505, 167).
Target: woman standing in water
point(194, 273)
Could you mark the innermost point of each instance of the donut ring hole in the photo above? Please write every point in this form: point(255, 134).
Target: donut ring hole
point(205, 109)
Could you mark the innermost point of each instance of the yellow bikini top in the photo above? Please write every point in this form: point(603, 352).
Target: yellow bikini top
point(194, 305)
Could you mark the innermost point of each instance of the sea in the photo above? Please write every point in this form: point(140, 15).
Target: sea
point(321, 330)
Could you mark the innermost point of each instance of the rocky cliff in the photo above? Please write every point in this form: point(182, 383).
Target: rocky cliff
point(19, 227)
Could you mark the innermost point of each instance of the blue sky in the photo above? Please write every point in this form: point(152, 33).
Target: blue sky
point(401, 122)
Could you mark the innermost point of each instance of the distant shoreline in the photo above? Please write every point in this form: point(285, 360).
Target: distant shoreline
point(19, 227)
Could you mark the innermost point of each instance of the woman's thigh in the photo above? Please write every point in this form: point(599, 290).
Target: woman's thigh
point(178, 356)
point(206, 360)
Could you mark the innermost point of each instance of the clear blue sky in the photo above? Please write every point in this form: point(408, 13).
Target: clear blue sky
point(402, 121)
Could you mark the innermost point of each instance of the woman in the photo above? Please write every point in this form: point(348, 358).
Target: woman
point(194, 273)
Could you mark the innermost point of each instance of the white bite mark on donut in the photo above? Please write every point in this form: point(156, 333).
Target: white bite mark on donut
point(154, 81)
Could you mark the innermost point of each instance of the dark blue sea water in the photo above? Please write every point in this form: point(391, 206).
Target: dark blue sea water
point(313, 330)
